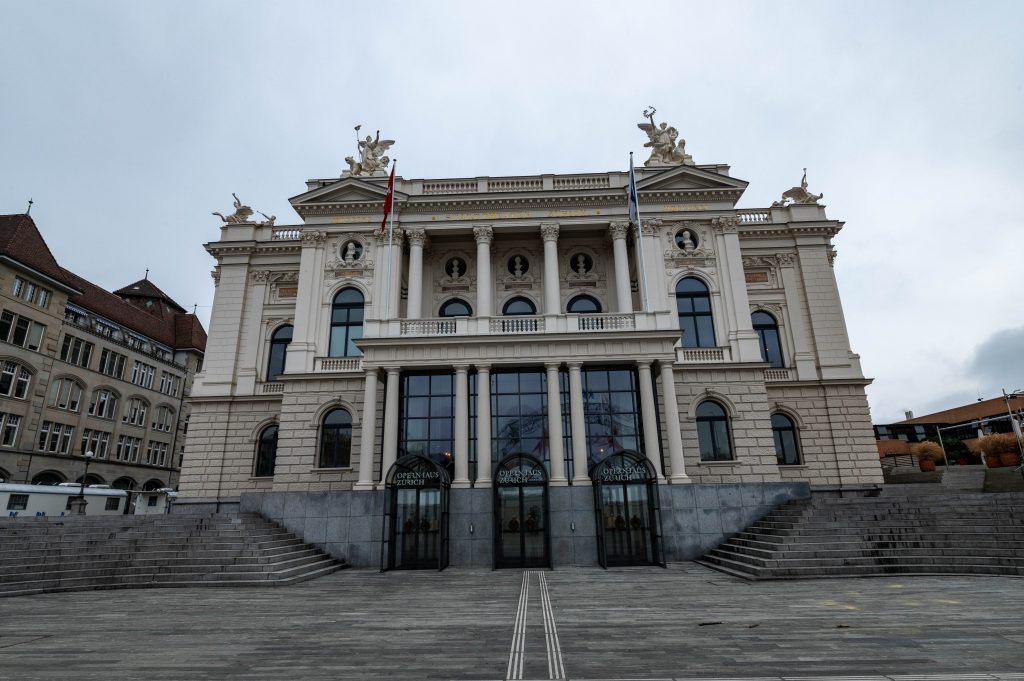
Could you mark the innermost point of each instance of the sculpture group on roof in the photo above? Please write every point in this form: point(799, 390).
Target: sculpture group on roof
point(372, 160)
point(798, 195)
point(667, 147)
point(242, 215)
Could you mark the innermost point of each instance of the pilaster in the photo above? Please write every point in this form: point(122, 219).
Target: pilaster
point(302, 349)
point(741, 335)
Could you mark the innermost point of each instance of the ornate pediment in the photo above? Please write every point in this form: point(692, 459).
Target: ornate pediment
point(690, 179)
point(348, 190)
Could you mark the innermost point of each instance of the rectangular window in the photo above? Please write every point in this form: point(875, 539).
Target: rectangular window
point(95, 441)
point(56, 438)
point(128, 449)
point(103, 405)
point(151, 501)
point(76, 351)
point(9, 429)
point(17, 502)
point(112, 363)
point(35, 337)
point(6, 322)
point(19, 286)
point(169, 384)
point(612, 413)
point(113, 503)
point(142, 374)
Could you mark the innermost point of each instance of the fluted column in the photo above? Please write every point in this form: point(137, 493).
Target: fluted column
point(623, 292)
point(484, 292)
point(555, 446)
point(483, 426)
point(414, 307)
point(675, 439)
point(652, 438)
point(368, 431)
point(577, 424)
point(552, 294)
point(389, 449)
point(461, 426)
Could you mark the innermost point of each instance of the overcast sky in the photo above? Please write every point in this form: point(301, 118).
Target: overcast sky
point(129, 122)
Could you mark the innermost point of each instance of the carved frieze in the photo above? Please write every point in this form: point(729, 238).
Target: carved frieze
point(260, 276)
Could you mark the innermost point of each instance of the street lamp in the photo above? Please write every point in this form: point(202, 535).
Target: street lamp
point(89, 456)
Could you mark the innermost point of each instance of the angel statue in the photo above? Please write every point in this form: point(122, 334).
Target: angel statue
point(372, 160)
point(798, 195)
point(667, 147)
point(240, 216)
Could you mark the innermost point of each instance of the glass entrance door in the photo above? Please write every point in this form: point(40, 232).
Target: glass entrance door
point(521, 514)
point(627, 531)
point(416, 515)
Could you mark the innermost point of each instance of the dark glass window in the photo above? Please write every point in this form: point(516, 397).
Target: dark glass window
point(583, 305)
point(768, 336)
point(278, 350)
point(266, 452)
point(427, 422)
point(693, 301)
point(346, 323)
point(519, 305)
point(456, 307)
point(786, 449)
point(612, 413)
point(336, 439)
point(713, 432)
point(519, 414)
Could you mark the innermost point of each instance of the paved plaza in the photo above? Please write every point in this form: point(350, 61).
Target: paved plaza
point(685, 622)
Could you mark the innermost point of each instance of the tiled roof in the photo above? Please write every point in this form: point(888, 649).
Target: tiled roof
point(144, 288)
point(20, 240)
point(969, 412)
point(176, 331)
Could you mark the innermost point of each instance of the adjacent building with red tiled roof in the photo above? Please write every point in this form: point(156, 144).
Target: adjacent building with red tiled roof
point(83, 369)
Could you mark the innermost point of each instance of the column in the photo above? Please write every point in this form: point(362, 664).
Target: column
point(483, 426)
point(577, 425)
point(368, 431)
point(484, 292)
point(675, 439)
point(652, 438)
point(623, 293)
point(552, 295)
point(299, 358)
point(396, 274)
point(654, 248)
point(414, 307)
point(389, 450)
point(461, 427)
point(555, 445)
point(250, 369)
point(741, 336)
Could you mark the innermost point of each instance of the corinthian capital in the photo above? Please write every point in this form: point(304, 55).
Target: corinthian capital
point(483, 234)
point(417, 236)
point(313, 238)
point(725, 225)
point(383, 237)
point(549, 232)
point(618, 230)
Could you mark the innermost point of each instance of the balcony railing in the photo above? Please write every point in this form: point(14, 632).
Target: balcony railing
point(337, 364)
point(703, 355)
point(521, 325)
point(778, 375)
point(272, 388)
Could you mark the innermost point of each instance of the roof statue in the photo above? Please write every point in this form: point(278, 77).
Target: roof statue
point(240, 216)
point(798, 195)
point(372, 160)
point(667, 147)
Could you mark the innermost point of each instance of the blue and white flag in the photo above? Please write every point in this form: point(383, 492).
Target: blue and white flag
point(634, 203)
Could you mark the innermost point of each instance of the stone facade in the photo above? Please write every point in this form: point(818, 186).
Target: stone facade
point(482, 278)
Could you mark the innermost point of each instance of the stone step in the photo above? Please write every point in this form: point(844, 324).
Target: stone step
point(31, 565)
point(208, 542)
point(897, 558)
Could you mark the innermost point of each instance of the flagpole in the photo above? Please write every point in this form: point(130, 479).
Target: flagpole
point(641, 260)
point(391, 241)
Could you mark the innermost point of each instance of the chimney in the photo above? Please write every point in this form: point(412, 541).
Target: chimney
point(908, 414)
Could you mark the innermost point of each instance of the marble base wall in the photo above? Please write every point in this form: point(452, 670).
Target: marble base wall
point(349, 524)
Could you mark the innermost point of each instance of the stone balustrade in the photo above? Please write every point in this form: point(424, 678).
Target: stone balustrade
point(338, 364)
point(778, 375)
point(515, 325)
point(703, 355)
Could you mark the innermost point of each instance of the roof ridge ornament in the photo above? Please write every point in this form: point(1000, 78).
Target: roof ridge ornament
point(667, 147)
point(798, 195)
point(372, 160)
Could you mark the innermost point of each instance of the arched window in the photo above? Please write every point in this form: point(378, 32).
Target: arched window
point(456, 307)
point(91, 479)
point(266, 452)
point(153, 485)
point(346, 323)
point(135, 412)
point(103, 404)
point(693, 301)
point(279, 349)
point(124, 483)
point(768, 336)
point(4, 476)
point(336, 439)
point(48, 478)
point(713, 432)
point(583, 305)
point(14, 380)
point(66, 394)
point(787, 450)
point(519, 306)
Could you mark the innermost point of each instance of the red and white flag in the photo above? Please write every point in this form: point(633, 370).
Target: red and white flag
point(389, 200)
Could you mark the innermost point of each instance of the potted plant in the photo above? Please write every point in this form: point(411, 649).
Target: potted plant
point(928, 454)
point(1000, 449)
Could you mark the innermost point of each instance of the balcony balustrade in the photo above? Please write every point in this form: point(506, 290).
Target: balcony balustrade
point(778, 375)
point(703, 355)
point(520, 325)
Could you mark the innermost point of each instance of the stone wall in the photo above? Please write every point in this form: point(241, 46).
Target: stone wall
point(350, 524)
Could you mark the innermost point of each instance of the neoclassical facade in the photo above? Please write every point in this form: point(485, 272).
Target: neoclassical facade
point(515, 348)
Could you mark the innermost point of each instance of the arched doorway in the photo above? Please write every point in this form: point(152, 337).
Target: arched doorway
point(416, 515)
point(521, 534)
point(628, 513)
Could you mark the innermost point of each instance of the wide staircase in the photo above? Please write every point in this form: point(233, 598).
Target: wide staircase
point(39, 555)
point(980, 534)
